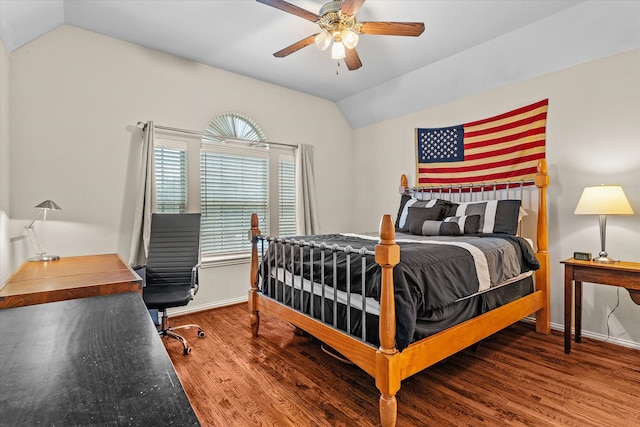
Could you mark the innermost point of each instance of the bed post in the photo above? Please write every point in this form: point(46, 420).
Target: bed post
point(543, 274)
point(387, 373)
point(254, 316)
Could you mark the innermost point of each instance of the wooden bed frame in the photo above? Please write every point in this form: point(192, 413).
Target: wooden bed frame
point(386, 364)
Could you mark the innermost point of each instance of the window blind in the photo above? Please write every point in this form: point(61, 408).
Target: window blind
point(171, 179)
point(287, 198)
point(232, 187)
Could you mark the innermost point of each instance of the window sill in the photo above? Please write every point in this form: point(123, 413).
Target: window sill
point(222, 261)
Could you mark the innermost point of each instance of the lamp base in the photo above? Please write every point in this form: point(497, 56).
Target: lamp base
point(44, 257)
point(604, 260)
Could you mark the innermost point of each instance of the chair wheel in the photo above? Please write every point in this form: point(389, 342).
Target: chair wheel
point(201, 334)
point(187, 351)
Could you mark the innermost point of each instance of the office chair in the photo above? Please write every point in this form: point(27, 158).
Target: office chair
point(170, 276)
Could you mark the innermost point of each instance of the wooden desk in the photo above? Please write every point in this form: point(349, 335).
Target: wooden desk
point(88, 361)
point(67, 278)
point(623, 274)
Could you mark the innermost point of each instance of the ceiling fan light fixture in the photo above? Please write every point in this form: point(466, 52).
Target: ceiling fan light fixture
point(349, 38)
point(338, 24)
point(323, 40)
point(337, 50)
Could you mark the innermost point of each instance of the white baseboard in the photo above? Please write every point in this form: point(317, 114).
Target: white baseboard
point(556, 326)
point(192, 308)
point(592, 335)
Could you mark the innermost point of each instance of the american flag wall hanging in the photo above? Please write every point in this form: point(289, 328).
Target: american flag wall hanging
point(504, 148)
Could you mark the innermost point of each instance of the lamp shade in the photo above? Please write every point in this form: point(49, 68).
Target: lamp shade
point(337, 51)
point(603, 200)
point(349, 38)
point(49, 204)
point(323, 40)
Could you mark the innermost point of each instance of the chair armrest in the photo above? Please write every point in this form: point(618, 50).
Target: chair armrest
point(195, 284)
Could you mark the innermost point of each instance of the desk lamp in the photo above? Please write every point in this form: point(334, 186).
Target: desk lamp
point(603, 200)
point(41, 254)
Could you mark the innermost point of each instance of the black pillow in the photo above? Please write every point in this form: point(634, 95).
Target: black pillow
point(402, 220)
point(403, 201)
point(420, 215)
point(467, 224)
point(450, 226)
point(496, 216)
point(434, 228)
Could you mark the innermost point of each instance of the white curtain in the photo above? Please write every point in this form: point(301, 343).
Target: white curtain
point(307, 221)
point(146, 201)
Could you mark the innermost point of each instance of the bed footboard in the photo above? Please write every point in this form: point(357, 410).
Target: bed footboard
point(379, 363)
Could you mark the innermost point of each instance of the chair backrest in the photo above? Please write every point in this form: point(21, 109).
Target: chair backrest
point(174, 249)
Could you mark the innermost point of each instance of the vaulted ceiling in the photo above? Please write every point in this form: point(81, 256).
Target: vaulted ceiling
point(467, 46)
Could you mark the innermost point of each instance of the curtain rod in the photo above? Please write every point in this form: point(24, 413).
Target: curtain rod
point(142, 125)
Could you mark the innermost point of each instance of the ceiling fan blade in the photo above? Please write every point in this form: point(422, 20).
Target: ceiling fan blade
point(351, 7)
point(293, 9)
point(413, 29)
point(352, 59)
point(294, 47)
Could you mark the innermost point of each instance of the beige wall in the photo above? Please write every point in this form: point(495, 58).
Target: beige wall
point(5, 269)
point(593, 137)
point(76, 97)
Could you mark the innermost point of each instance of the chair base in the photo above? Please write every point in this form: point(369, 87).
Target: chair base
point(167, 331)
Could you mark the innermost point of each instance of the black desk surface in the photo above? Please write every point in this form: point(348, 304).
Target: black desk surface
point(88, 361)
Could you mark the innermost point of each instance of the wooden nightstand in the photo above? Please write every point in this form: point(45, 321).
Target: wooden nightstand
point(623, 274)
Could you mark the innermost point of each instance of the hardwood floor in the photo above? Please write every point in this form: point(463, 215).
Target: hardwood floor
point(517, 377)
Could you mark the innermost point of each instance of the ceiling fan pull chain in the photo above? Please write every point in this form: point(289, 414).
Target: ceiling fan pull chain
point(338, 69)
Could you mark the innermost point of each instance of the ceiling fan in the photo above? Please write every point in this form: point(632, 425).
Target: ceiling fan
point(338, 24)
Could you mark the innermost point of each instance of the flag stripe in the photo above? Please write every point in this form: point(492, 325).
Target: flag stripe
point(466, 176)
point(505, 127)
point(505, 147)
point(526, 137)
point(497, 177)
point(538, 105)
point(498, 164)
point(507, 150)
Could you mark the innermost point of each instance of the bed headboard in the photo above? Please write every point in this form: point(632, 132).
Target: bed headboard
point(531, 193)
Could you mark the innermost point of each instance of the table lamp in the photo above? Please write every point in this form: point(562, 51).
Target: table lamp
point(41, 254)
point(603, 200)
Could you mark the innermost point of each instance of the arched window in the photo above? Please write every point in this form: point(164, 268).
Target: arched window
point(235, 182)
point(233, 125)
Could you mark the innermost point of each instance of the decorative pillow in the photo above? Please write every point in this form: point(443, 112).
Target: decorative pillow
point(407, 201)
point(450, 226)
point(434, 228)
point(496, 216)
point(467, 224)
point(403, 201)
point(419, 214)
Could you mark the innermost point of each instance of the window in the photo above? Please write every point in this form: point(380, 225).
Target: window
point(227, 179)
point(171, 176)
point(286, 197)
